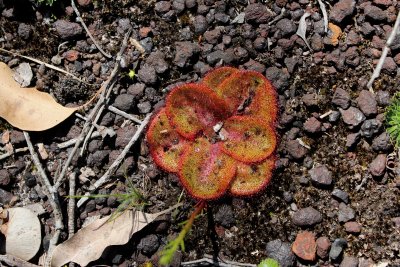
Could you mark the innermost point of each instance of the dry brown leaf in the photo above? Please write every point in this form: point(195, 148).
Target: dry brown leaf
point(27, 108)
point(89, 242)
point(23, 233)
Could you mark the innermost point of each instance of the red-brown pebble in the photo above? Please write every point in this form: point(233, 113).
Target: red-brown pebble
point(305, 246)
point(352, 227)
point(71, 55)
point(323, 245)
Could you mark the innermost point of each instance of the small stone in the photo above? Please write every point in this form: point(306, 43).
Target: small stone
point(389, 65)
point(144, 107)
point(378, 166)
point(337, 248)
point(117, 259)
point(349, 261)
point(257, 13)
point(5, 177)
point(341, 195)
point(278, 77)
point(124, 102)
point(383, 97)
point(334, 116)
point(342, 10)
point(310, 100)
point(374, 12)
point(321, 176)
point(323, 245)
point(23, 74)
point(286, 26)
point(295, 149)
point(17, 138)
point(225, 216)
point(178, 5)
point(84, 2)
point(24, 31)
point(98, 158)
point(352, 116)
point(149, 244)
point(124, 135)
point(341, 98)
point(352, 227)
point(370, 127)
point(281, 252)
point(381, 143)
point(137, 90)
point(367, 103)
point(305, 246)
point(200, 24)
point(67, 30)
point(185, 52)
point(147, 74)
point(6, 197)
point(306, 217)
point(352, 139)
point(346, 213)
point(30, 180)
point(71, 55)
point(212, 36)
point(312, 125)
point(162, 6)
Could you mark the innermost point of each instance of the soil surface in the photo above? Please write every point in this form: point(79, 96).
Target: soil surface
point(331, 189)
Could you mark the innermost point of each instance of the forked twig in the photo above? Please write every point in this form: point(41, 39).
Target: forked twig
point(92, 114)
point(79, 19)
point(53, 197)
point(106, 176)
point(378, 68)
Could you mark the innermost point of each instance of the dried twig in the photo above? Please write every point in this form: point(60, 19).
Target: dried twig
point(74, 140)
point(11, 260)
point(100, 102)
point(46, 64)
point(124, 114)
point(208, 259)
point(71, 205)
point(8, 154)
point(324, 14)
point(378, 68)
point(52, 196)
point(79, 19)
point(106, 176)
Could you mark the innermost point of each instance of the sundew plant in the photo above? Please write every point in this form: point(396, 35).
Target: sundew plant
point(218, 136)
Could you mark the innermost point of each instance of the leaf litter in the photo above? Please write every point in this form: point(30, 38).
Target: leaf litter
point(89, 242)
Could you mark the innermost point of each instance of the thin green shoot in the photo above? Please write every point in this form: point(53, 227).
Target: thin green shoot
point(132, 199)
point(168, 253)
point(393, 120)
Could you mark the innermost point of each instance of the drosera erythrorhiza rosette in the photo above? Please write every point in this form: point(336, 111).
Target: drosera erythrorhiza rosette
point(218, 135)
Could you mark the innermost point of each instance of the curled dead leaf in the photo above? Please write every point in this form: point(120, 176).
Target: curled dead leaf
point(89, 242)
point(27, 108)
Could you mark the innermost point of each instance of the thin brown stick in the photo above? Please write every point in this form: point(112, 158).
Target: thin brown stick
point(79, 19)
point(52, 197)
point(14, 261)
point(106, 176)
point(92, 114)
point(378, 68)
